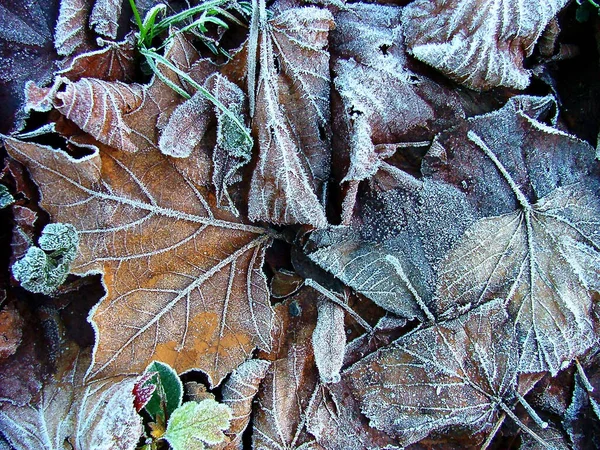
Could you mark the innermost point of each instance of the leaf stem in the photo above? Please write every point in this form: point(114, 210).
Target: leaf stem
point(524, 427)
point(534, 415)
point(494, 431)
point(331, 296)
point(584, 379)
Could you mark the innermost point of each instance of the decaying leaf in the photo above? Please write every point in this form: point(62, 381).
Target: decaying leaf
point(238, 393)
point(329, 340)
point(456, 373)
point(70, 32)
point(105, 17)
point(286, 391)
point(201, 268)
point(291, 117)
point(98, 107)
point(11, 332)
point(114, 62)
point(99, 415)
point(480, 43)
point(27, 53)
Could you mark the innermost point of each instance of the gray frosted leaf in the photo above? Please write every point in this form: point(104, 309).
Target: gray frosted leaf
point(70, 32)
point(97, 415)
point(291, 119)
point(480, 43)
point(455, 373)
point(98, 107)
point(329, 340)
point(105, 17)
point(239, 392)
point(521, 256)
point(374, 272)
point(186, 127)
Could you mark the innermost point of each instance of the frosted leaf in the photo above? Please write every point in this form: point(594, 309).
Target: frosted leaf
point(520, 256)
point(233, 150)
point(105, 17)
point(159, 100)
point(184, 279)
point(286, 391)
point(480, 43)
point(186, 127)
point(456, 373)
point(6, 198)
point(193, 425)
point(329, 340)
point(70, 33)
point(98, 107)
point(98, 415)
point(26, 37)
point(114, 62)
point(337, 423)
point(238, 393)
point(291, 118)
point(168, 395)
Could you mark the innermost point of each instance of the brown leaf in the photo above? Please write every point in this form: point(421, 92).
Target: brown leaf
point(238, 393)
point(286, 391)
point(98, 107)
point(115, 62)
point(159, 100)
point(456, 373)
point(70, 32)
point(98, 415)
point(480, 43)
point(23, 232)
point(292, 112)
point(184, 280)
point(11, 332)
point(105, 17)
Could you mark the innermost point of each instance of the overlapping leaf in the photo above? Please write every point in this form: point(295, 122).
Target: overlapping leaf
point(99, 415)
point(480, 43)
point(291, 117)
point(459, 372)
point(70, 32)
point(184, 282)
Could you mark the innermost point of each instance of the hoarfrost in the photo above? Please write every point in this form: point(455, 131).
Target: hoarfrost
point(70, 32)
point(480, 43)
point(329, 340)
point(105, 17)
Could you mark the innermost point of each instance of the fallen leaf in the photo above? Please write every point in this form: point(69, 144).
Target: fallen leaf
point(480, 43)
point(114, 62)
point(11, 324)
point(329, 340)
point(27, 53)
point(201, 267)
point(98, 415)
point(456, 373)
point(291, 117)
point(286, 391)
point(105, 17)
point(70, 33)
point(238, 393)
point(98, 108)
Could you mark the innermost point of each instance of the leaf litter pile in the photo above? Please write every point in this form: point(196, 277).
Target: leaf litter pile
point(299, 224)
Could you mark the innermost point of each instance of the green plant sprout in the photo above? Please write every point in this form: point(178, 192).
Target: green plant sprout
point(150, 29)
point(585, 9)
point(43, 269)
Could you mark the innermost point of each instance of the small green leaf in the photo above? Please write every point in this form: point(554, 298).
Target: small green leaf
point(6, 199)
point(168, 395)
point(195, 424)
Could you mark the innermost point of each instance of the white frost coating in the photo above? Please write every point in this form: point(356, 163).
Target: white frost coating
point(98, 107)
point(521, 255)
point(105, 17)
point(186, 127)
point(329, 340)
point(70, 31)
point(480, 43)
point(293, 161)
point(97, 416)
